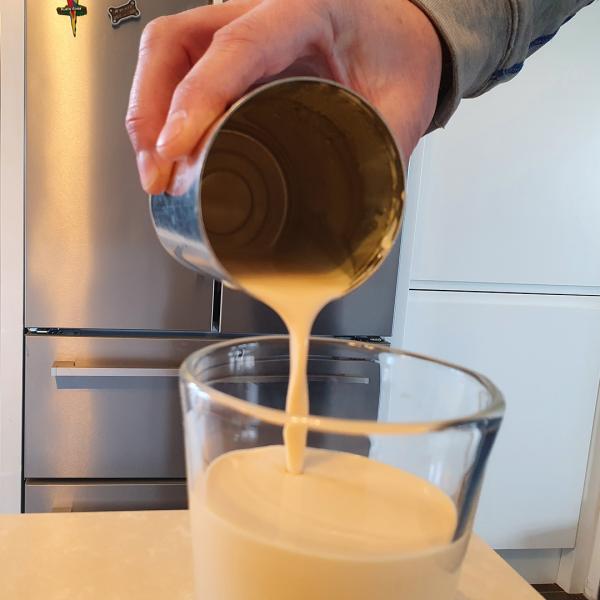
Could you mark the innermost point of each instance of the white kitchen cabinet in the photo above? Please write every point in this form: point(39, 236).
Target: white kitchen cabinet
point(510, 191)
point(543, 352)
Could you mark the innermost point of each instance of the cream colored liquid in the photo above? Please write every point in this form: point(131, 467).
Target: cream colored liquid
point(295, 523)
point(348, 528)
point(297, 296)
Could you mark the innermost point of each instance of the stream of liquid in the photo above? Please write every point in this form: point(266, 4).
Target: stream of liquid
point(297, 295)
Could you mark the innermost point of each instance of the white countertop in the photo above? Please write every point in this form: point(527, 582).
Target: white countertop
point(147, 555)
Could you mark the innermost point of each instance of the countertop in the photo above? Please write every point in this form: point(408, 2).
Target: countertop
point(147, 555)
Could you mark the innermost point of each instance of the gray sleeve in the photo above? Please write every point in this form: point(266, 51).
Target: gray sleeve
point(486, 42)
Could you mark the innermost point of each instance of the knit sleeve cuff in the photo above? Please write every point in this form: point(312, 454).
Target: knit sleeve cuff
point(475, 38)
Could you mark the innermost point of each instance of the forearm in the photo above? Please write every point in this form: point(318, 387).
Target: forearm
point(487, 41)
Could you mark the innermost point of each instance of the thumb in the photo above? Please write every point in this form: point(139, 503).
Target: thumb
point(249, 48)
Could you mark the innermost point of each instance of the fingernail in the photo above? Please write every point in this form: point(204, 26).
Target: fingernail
point(180, 183)
point(148, 169)
point(172, 129)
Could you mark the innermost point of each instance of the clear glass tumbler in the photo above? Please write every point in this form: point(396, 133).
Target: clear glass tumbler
point(396, 451)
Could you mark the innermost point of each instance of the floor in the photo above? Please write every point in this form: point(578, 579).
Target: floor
point(553, 592)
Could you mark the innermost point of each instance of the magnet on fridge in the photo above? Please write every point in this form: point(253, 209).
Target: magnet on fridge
point(124, 12)
point(72, 9)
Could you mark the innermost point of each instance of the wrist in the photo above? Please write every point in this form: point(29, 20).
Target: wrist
point(445, 79)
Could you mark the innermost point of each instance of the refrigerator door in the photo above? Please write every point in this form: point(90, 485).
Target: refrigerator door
point(103, 407)
point(368, 311)
point(93, 259)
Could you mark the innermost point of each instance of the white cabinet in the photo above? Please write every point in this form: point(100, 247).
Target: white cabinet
point(543, 352)
point(510, 191)
point(507, 199)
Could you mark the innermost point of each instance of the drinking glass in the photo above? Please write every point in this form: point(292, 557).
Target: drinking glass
point(403, 440)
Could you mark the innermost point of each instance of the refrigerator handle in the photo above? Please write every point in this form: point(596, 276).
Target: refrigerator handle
point(284, 378)
point(69, 369)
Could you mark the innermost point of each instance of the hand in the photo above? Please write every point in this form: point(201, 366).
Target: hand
point(192, 65)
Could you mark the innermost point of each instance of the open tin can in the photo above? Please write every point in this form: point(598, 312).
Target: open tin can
point(294, 163)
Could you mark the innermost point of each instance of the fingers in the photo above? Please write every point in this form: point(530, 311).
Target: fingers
point(169, 47)
point(254, 46)
point(157, 75)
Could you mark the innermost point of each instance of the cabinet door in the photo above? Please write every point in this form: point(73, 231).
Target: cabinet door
point(543, 352)
point(510, 189)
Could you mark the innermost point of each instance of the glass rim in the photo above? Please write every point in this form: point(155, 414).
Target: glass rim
point(492, 413)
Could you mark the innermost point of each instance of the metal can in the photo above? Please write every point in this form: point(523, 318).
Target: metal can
point(295, 162)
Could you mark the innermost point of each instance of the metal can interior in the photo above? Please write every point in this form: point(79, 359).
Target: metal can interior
point(300, 165)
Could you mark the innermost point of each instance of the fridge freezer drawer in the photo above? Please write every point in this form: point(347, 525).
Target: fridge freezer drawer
point(367, 311)
point(43, 497)
point(103, 407)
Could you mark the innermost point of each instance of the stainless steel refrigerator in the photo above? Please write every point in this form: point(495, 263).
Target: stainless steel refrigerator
point(109, 315)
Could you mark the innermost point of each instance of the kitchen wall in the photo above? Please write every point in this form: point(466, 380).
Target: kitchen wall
point(11, 250)
point(592, 586)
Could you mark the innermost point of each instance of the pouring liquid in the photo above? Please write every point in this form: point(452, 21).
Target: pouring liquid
point(297, 295)
point(290, 522)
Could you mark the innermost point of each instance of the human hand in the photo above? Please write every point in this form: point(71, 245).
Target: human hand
point(194, 64)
